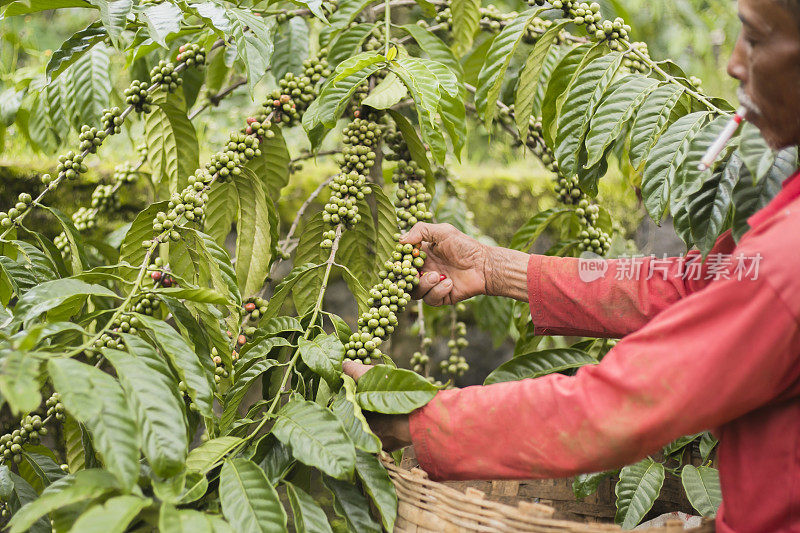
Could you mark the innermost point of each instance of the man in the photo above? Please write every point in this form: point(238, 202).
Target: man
point(721, 354)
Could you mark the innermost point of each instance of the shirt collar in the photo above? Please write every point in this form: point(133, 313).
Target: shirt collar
point(790, 190)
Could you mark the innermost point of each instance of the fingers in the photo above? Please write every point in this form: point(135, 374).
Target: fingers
point(355, 369)
point(423, 231)
point(428, 281)
point(439, 293)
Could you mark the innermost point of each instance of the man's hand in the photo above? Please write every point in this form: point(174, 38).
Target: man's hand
point(393, 430)
point(458, 267)
point(454, 267)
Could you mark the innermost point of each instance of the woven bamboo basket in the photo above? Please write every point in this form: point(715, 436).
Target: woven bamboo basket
point(427, 506)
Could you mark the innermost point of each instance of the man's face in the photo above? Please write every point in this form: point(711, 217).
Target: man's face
point(766, 61)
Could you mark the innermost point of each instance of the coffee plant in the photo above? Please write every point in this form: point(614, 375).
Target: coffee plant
point(163, 377)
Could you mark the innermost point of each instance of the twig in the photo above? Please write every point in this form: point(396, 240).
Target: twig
point(215, 100)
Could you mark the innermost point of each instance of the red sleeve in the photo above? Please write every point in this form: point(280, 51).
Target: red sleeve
point(570, 296)
point(695, 366)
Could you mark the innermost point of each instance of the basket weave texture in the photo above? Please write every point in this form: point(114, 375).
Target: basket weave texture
point(427, 506)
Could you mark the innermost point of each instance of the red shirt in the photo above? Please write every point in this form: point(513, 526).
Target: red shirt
point(696, 354)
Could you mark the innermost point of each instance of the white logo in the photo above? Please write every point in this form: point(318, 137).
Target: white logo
point(591, 267)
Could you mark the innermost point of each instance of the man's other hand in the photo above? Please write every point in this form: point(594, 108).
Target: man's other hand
point(454, 267)
point(393, 430)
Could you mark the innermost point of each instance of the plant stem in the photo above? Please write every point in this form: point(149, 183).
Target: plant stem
point(388, 18)
point(293, 360)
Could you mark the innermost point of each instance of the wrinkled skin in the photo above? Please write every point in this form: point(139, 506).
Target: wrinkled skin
point(766, 61)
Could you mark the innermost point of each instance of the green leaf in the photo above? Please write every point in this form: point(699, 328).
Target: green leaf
point(434, 47)
point(308, 516)
point(709, 207)
point(702, 488)
point(525, 236)
point(285, 287)
point(336, 91)
point(89, 85)
point(220, 211)
point(272, 166)
point(664, 161)
point(199, 295)
point(253, 38)
point(558, 85)
point(356, 249)
point(51, 294)
point(112, 516)
point(237, 392)
point(42, 469)
point(206, 456)
point(348, 43)
point(490, 79)
point(613, 115)
point(541, 363)
point(141, 229)
point(26, 7)
point(110, 422)
point(149, 387)
point(162, 19)
point(585, 485)
point(379, 486)
point(689, 178)
point(466, 18)
point(359, 292)
point(323, 112)
point(173, 520)
point(19, 380)
point(256, 234)
point(172, 148)
point(758, 157)
point(77, 254)
point(83, 486)
point(316, 437)
point(423, 86)
point(346, 12)
point(418, 151)
point(215, 265)
point(184, 360)
point(385, 389)
point(529, 79)
point(291, 47)
point(387, 93)
point(306, 289)
point(350, 504)
point(73, 48)
point(114, 15)
point(749, 197)
point(323, 354)
point(706, 445)
point(248, 500)
point(347, 410)
point(651, 119)
point(638, 487)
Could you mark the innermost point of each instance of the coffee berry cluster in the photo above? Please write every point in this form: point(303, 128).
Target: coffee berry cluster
point(91, 139)
point(24, 201)
point(411, 198)
point(420, 359)
point(255, 308)
point(240, 149)
point(191, 54)
point(387, 299)
point(350, 185)
point(456, 365)
point(70, 166)
point(29, 431)
point(593, 239)
point(138, 96)
point(164, 74)
point(112, 120)
point(220, 372)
